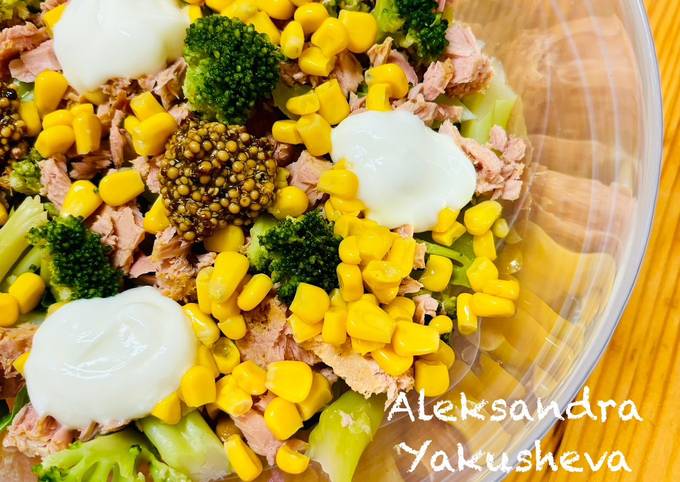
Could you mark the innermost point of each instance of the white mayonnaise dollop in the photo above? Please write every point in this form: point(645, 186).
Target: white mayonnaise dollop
point(407, 172)
point(97, 40)
point(108, 360)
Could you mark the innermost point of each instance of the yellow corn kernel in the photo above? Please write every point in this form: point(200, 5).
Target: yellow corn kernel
point(282, 418)
point(28, 111)
point(339, 182)
point(362, 30)
point(310, 16)
point(310, 303)
point(442, 323)
point(131, 123)
point(438, 271)
point(145, 105)
point(391, 363)
point(233, 327)
point(156, 218)
point(312, 60)
point(445, 221)
point(50, 87)
point(168, 410)
point(240, 9)
point(299, 3)
point(369, 322)
point(365, 226)
point(226, 427)
point(121, 187)
point(381, 274)
point(197, 386)
point(500, 228)
point(363, 347)
point(263, 24)
point(480, 271)
point(432, 378)
point(491, 306)
point(333, 103)
point(391, 74)
point(4, 216)
point(286, 131)
point(97, 97)
point(336, 299)
point(444, 354)
point(374, 244)
point(204, 358)
point(226, 355)
point(204, 326)
point(254, 291)
point(378, 97)
point(55, 140)
point(195, 12)
point(246, 464)
point(343, 225)
point(334, 330)
point(19, 363)
point(349, 250)
point(484, 245)
point(51, 17)
point(480, 218)
point(401, 308)
point(250, 377)
point(448, 237)
point(352, 207)
point(331, 37)
point(282, 174)
point(330, 212)
point(370, 298)
point(78, 109)
point(230, 238)
point(9, 310)
point(230, 269)
point(278, 9)
point(54, 307)
point(292, 40)
point(87, 130)
point(350, 281)
point(319, 396)
point(315, 131)
point(303, 104)
point(231, 398)
point(290, 380)
point(402, 254)
point(225, 310)
point(148, 148)
point(508, 289)
point(82, 199)
point(303, 331)
point(61, 117)
point(290, 201)
point(290, 460)
point(414, 339)
point(467, 319)
point(218, 5)
point(155, 128)
point(28, 290)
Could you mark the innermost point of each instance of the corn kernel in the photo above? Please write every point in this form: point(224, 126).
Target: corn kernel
point(480, 271)
point(88, 132)
point(28, 290)
point(310, 16)
point(334, 329)
point(281, 179)
point(378, 97)
point(391, 363)
point(291, 461)
point(230, 269)
point(333, 103)
point(485, 305)
point(121, 187)
point(145, 105)
point(508, 289)
point(197, 387)
point(331, 37)
point(467, 319)
point(350, 281)
point(303, 331)
point(168, 410)
point(250, 377)
point(217, 5)
point(370, 298)
point(278, 9)
point(78, 109)
point(480, 218)
point(299, 3)
point(484, 245)
point(49, 89)
point(438, 271)
point(310, 303)
point(402, 254)
point(233, 327)
point(374, 244)
point(263, 24)
point(362, 29)
point(55, 140)
point(369, 322)
point(349, 250)
point(303, 104)
point(336, 299)
point(4, 216)
point(500, 228)
point(442, 323)
point(292, 40)
point(28, 111)
point(19, 364)
point(315, 131)
point(131, 123)
point(226, 427)
point(290, 380)
point(82, 199)
point(312, 60)
point(391, 74)
point(61, 117)
point(52, 16)
point(381, 275)
point(246, 464)
point(414, 339)
point(401, 308)
point(446, 219)
point(205, 358)
point(444, 354)
point(448, 237)
point(343, 225)
point(230, 238)
point(156, 218)
point(319, 396)
point(339, 182)
point(204, 326)
point(240, 9)
point(223, 311)
point(195, 12)
point(432, 378)
point(282, 418)
point(363, 347)
point(9, 310)
point(330, 212)
point(290, 201)
point(286, 131)
point(155, 128)
point(97, 97)
point(226, 355)
point(54, 307)
point(254, 291)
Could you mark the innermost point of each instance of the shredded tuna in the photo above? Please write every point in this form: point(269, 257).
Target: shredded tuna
point(36, 436)
point(405, 231)
point(117, 138)
point(348, 71)
point(168, 245)
point(90, 165)
point(142, 265)
point(409, 286)
point(149, 170)
point(472, 69)
point(176, 279)
point(32, 62)
point(166, 84)
point(17, 39)
point(429, 112)
point(379, 53)
point(305, 174)
point(426, 305)
point(13, 342)
point(48, 5)
point(356, 104)
point(436, 78)
point(257, 434)
point(419, 261)
point(15, 466)
point(179, 112)
point(122, 228)
point(284, 153)
point(292, 75)
point(118, 93)
point(363, 375)
point(55, 182)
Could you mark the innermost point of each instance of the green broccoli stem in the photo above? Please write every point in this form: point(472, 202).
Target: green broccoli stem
point(13, 242)
point(440, 250)
point(31, 261)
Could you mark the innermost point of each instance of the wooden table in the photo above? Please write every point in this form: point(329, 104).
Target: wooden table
point(642, 363)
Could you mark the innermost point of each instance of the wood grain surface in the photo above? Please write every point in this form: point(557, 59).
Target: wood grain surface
point(642, 362)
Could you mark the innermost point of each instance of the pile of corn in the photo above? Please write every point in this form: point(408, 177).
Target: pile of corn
point(150, 126)
point(22, 297)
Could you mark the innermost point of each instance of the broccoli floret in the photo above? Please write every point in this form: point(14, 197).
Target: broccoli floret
point(25, 174)
point(189, 446)
point(334, 6)
point(13, 242)
point(257, 254)
point(109, 457)
point(231, 68)
point(14, 10)
point(301, 250)
point(76, 262)
point(415, 24)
